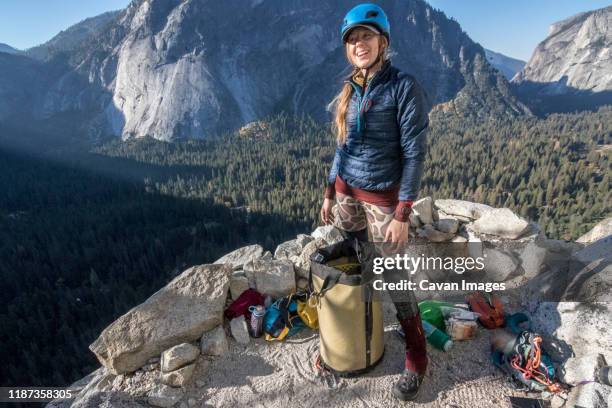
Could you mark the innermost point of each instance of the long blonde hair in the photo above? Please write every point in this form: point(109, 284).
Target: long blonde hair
point(341, 101)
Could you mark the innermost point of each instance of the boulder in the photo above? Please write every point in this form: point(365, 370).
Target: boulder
point(538, 256)
point(591, 395)
point(599, 250)
point(423, 208)
point(89, 391)
point(164, 396)
point(214, 342)
point(533, 232)
point(431, 234)
point(272, 277)
point(180, 312)
point(303, 240)
point(599, 231)
point(302, 262)
point(288, 249)
point(501, 222)
point(238, 327)
point(579, 327)
point(238, 284)
point(447, 224)
point(241, 256)
point(179, 377)
point(414, 220)
point(329, 233)
point(499, 264)
point(466, 210)
point(533, 259)
point(591, 273)
point(178, 356)
point(547, 270)
point(475, 246)
point(582, 368)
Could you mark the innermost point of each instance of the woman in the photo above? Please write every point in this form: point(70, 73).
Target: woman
point(380, 123)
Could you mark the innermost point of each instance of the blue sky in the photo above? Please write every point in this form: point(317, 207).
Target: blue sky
point(512, 27)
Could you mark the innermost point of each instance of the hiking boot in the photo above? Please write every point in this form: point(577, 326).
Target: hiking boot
point(407, 387)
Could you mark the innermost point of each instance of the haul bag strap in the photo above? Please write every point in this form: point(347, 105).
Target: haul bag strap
point(328, 283)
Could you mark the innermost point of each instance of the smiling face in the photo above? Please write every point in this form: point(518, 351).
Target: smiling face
point(363, 46)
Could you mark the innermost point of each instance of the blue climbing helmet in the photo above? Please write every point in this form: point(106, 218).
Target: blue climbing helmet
point(366, 14)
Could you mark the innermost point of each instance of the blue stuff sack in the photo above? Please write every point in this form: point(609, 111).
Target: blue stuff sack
point(282, 319)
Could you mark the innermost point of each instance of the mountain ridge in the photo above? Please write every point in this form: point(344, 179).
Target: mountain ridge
point(70, 38)
point(168, 70)
point(506, 65)
point(8, 49)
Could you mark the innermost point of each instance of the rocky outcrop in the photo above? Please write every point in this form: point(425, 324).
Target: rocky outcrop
point(572, 63)
point(241, 256)
point(501, 222)
point(182, 311)
point(238, 284)
point(576, 333)
point(238, 327)
point(574, 55)
point(579, 325)
point(178, 356)
point(463, 210)
point(275, 277)
point(601, 230)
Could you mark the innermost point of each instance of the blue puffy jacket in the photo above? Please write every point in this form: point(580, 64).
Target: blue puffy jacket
point(386, 140)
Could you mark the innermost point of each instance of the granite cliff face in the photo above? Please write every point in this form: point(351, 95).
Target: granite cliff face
point(181, 69)
point(575, 59)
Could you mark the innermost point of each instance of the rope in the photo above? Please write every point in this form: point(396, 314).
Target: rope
point(531, 370)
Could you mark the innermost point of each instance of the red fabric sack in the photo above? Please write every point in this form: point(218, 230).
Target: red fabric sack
point(240, 306)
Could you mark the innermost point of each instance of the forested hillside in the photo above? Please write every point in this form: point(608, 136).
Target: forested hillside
point(84, 240)
point(80, 247)
point(554, 171)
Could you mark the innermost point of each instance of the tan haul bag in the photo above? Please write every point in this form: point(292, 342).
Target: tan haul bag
point(350, 318)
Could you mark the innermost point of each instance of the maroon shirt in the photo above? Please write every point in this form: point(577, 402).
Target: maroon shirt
point(381, 198)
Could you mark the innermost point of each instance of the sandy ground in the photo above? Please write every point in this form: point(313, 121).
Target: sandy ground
point(281, 375)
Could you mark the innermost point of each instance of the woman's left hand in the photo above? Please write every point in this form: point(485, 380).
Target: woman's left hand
point(397, 231)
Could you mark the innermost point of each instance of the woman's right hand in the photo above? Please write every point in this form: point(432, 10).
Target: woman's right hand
point(326, 211)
